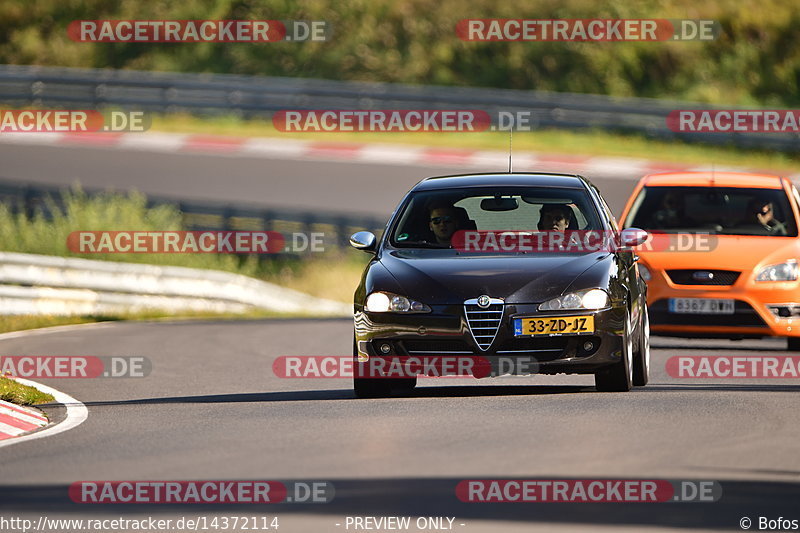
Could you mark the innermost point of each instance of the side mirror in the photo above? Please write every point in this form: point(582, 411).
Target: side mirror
point(363, 240)
point(633, 237)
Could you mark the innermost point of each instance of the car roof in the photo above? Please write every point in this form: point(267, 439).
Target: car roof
point(712, 179)
point(495, 179)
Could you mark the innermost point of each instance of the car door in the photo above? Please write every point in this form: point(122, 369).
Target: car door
point(626, 258)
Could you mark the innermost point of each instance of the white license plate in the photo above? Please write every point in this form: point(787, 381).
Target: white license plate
point(701, 306)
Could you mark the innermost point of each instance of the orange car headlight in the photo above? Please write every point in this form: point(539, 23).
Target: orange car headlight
point(781, 272)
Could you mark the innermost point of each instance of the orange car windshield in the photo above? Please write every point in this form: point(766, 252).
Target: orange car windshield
point(715, 210)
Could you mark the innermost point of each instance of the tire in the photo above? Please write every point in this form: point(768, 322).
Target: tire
point(405, 384)
point(619, 376)
point(793, 344)
point(641, 358)
point(370, 387)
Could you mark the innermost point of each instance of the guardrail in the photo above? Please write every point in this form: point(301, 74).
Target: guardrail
point(44, 285)
point(253, 96)
point(335, 227)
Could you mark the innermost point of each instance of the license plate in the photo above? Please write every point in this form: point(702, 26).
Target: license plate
point(701, 306)
point(567, 325)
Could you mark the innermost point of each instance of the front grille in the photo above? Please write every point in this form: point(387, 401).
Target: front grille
point(434, 347)
point(484, 322)
point(720, 277)
point(543, 348)
point(743, 315)
point(534, 343)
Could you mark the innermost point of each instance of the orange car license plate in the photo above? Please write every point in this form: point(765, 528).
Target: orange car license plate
point(702, 306)
point(567, 325)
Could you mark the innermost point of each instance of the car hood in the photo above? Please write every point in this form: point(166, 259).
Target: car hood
point(447, 277)
point(727, 252)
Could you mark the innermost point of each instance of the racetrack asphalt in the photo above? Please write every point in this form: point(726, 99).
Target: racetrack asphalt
point(213, 409)
point(337, 185)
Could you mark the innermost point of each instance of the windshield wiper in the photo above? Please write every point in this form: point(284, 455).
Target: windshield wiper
point(421, 244)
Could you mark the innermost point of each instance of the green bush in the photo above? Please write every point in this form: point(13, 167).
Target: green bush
point(755, 61)
point(108, 212)
point(333, 274)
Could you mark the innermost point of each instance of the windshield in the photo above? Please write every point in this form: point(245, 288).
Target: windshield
point(430, 218)
point(716, 210)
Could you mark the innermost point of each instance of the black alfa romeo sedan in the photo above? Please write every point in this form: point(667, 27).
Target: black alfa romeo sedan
point(518, 273)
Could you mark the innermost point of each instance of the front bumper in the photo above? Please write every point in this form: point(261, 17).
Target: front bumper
point(757, 306)
point(445, 332)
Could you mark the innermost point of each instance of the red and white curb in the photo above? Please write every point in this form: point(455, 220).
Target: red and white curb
point(76, 411)
point(395, 154)
point(76, 414)
point(16, 420)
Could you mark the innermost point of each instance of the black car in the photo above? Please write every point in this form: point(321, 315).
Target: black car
point(482, 267)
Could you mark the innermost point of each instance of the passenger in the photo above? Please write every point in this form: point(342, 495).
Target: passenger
point(554, 217)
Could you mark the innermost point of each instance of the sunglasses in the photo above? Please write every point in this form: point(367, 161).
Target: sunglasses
point(439, 220)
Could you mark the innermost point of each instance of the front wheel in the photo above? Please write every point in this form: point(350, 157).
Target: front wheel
point(372, 387)
point(406, 384)
point(619, 376)
point(369, 387)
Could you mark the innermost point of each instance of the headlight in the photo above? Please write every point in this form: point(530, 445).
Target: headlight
point(386, 302)
point(782, 272)
point(586, 299)
point(644, 272)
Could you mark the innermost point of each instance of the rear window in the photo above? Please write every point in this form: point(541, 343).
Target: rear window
point(715, 210)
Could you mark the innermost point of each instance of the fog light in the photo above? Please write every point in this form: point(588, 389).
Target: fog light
point(788, 310)
point(385, 348)
point(588, 346)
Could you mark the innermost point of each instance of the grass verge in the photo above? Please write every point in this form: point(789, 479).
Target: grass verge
point(16, 323)
point(23, 322)
point(333, 274)
point(14, 392)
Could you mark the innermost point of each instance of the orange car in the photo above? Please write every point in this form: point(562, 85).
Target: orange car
point(722, 260)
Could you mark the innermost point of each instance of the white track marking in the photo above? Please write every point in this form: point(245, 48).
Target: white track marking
point(77, 413)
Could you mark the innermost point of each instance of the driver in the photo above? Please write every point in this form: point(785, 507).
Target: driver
point(764, 213)
point(443, 221)
point(670, 213)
